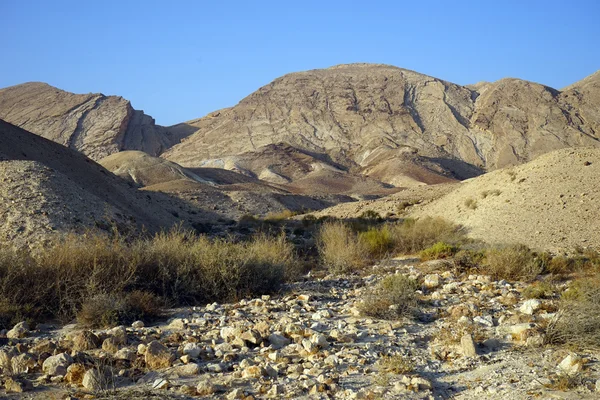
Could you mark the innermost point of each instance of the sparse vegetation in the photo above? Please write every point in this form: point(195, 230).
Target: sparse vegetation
point(412, 236)
point(280, 216)
point(471, 203)
point(396, 364)
point(437, 251)
point(378, 241)
point(578, 321)
point(106, 279)
point(539, 290)
point(468, 260)
point(514, 262)
point(340, 248)
point(394, 297)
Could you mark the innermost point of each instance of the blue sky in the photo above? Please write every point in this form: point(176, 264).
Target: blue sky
point(179, 60)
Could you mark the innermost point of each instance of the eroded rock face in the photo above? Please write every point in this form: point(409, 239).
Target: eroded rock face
point(94, 124)
point(366, 115)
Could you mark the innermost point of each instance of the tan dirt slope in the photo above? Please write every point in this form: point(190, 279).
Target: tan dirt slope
point(47, 189)
point(550, 203)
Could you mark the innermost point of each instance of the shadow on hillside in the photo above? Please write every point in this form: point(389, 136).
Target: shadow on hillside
point(460, 169)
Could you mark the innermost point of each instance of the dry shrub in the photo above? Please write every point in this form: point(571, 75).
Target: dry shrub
point(412, 235)
point(280, 216)
point(394, 297)
point(132, 279)
point(578, 320)
point(471, 203)
point(396, 364)
point(539, 290)
point(340, 248)
point(512, 262)
point(468, 260)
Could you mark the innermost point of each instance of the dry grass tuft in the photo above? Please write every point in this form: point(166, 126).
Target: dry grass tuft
point(438, 251)
point(340, 248)
point(394, 297)
point(578, 321)
point(515, 262)
point(396, 364)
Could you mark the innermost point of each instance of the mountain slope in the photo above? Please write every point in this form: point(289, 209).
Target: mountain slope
point(350, 112)
point(93, 124)
point(47, 189)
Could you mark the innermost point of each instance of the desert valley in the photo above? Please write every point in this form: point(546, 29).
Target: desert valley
point(356, 232)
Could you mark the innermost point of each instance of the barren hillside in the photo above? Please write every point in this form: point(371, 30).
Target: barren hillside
point(363, 116)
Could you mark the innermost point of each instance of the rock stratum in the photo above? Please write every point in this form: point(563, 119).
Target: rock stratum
point(93, 124)
point(367, 118)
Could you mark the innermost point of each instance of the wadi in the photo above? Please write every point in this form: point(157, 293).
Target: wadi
point(361, 231)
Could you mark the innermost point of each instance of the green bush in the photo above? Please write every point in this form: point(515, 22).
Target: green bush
point(437, 251)
point(412, 236)
point(378, 241)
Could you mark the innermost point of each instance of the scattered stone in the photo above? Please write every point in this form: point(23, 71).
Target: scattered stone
point(138, 324)
point(19, 331)
point(278, 341)
point(157, 356)
point(467, 346)
point(205, 388)
point(57, 365)
point(571, 364)
point(530, 306)
point(94, 380)
point(85, 340)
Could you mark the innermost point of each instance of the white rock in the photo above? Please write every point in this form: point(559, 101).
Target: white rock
point(467, 346)
point(192, 349)
point(138, 324)
point(431, 281)
point(278, 341)
point(530, 306)
point(571, 364)
point(485, 320)
point(19, 331)
point(93, 380)
point(160, 384)
point(57, 365)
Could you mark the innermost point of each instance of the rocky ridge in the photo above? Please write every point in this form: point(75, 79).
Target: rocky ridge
point(363, 116)
point(93, 124)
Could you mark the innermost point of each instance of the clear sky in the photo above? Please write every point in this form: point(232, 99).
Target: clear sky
point(179, 60)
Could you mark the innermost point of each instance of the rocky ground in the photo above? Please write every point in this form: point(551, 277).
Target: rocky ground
point(472, 338)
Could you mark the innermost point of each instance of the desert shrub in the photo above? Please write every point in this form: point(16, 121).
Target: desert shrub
point(411, 236)
point(437, 251)
point(108, 279)
point(468, 260)
point(371, 215)
point(539, 290)
point(394, 297)
point(340, 248)
point(378, 241)
point(511, 262)
point(578, 320)
point(396, 364)
point(471, 203)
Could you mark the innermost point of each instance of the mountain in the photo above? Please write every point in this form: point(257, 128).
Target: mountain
point(363, 116)
point(94, 124)
point(356, 129)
